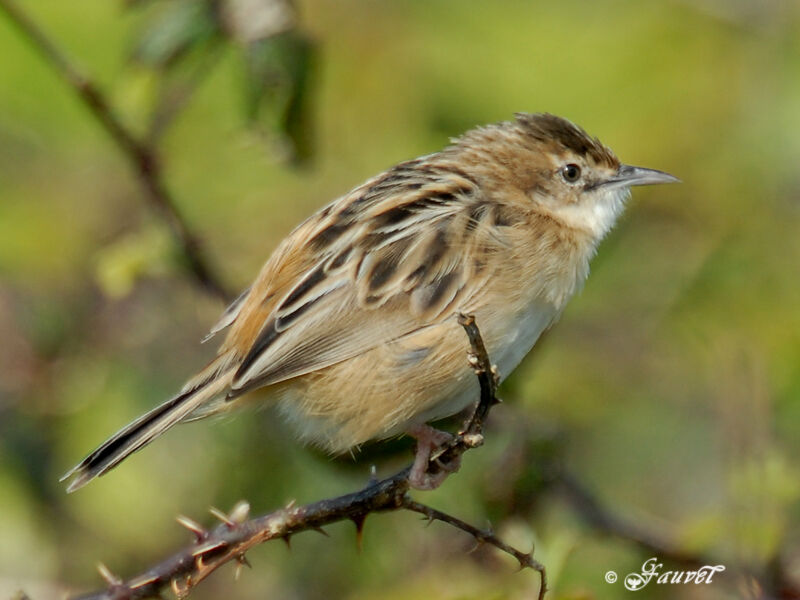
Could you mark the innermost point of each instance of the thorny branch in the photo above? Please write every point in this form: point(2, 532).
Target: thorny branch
point(482, 536)
point(142, 156)
point(231, 540)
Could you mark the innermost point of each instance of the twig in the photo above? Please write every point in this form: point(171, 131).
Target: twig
point(235, 536)
point(471, 435)
point(525, 560)
point(142, 157)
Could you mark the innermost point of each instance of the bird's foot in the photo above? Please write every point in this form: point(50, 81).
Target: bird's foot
point(429, 440)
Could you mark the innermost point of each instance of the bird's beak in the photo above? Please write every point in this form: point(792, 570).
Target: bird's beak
point(627, 175)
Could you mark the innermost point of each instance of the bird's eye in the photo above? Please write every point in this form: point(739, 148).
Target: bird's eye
point(571, 173)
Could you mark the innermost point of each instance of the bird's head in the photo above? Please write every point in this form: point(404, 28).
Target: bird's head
point(560, 169)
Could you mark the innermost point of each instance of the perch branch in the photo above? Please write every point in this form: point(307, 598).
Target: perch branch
point(142, 157)
point(231, 540)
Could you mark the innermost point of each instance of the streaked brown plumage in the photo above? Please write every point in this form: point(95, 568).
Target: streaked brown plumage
point(351, 323)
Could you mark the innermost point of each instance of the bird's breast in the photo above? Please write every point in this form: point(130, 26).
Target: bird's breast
point(517, 336)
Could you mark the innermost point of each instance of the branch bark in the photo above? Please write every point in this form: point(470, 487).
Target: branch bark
point(231, 540)
point(143, 157)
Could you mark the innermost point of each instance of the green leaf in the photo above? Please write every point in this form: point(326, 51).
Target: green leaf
point(178, 27)
point(278, 84)
point(121, 265)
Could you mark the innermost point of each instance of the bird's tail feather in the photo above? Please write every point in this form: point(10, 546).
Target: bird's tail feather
point(144, 430)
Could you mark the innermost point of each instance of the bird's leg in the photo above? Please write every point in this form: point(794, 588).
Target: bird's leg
point(428, 440)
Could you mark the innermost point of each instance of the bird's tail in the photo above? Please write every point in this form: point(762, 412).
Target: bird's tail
point(146, 428)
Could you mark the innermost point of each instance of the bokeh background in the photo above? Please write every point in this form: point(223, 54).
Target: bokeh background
point(670, 390)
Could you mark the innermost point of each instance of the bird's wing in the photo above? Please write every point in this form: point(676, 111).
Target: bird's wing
point(229, 315)
point(402, 252)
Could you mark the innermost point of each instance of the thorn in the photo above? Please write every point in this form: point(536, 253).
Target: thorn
point(373, 475)
point(240, 512)
point(495, 375)
point(287, 539)
point(319, 529)
point(526, 560)
point(531, 562)
point(206, 548)
point(359, 523)
point(199, 532)
point(142, 581)
point(222, 517)
point(291, 504)
point(106, 574)
point(176, 588)
point(478, 544)
point(489, 528)
point(242, 560)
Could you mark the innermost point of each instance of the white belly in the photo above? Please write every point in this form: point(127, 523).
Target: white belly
point(507, 344)
point(520, 337)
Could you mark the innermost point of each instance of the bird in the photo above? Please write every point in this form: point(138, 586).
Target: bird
point(351, 326)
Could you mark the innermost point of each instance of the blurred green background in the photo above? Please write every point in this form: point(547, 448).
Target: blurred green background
point(670, 388)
